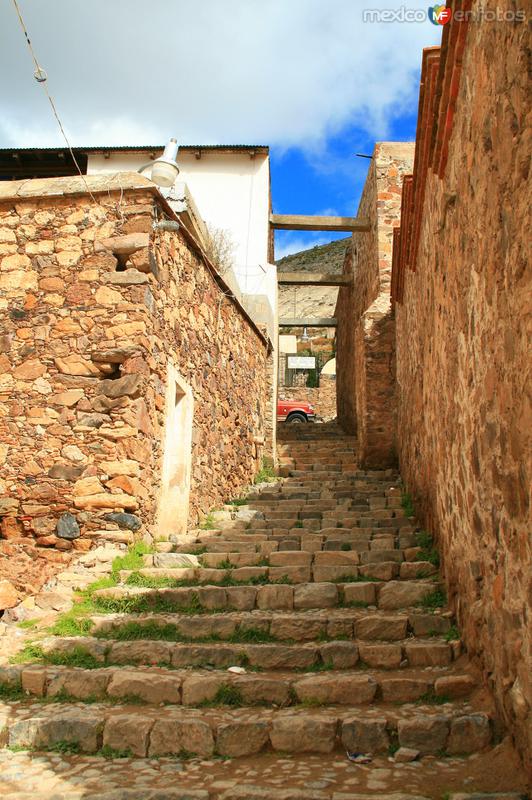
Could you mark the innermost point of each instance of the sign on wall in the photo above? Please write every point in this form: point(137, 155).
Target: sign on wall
point(301, 362)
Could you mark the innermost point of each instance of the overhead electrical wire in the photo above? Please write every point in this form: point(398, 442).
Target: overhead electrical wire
point(41, 78)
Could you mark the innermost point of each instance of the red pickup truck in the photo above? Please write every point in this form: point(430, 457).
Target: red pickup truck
point(295, 411)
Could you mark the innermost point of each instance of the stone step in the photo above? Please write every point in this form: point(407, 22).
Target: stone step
point(163, 647)
point(377, 567)
point(158, 731)
point(390, 595)
point(128, 678)
point(349, 624)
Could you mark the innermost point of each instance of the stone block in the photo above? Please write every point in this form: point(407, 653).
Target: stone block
point(32, 679)
point(361, 735)
point(336, 558)
point(397, 594)
point(275, 597)
point(171, 736)
point(334, 573)
point(428, 654)
point(236, 739)
point(428, 624)
point(140, 652)
point(380, 572)
point(316, 595)
point(127, 386)
point(275, 656)
point(341, 689)
point(201, 688)
point(212, 597)
point(412, 570)
point(381, 628)
point(295, 574)
point(40, 732)
point(469, 734)
point(292, 558)
point(131, 732)
point(260, 691)
point(296, 628)
point(360, 593)
point(454, 686)
point(342, 655)
point(428, 734)
point(404, 690)
point(303, 733)
point(81, 684)
point(242, 598)
point(381, 656)
point(148, 686)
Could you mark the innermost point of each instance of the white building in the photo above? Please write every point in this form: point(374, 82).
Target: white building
point(229, 185)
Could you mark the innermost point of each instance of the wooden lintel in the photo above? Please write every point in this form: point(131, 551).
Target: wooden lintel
point(300, 222)
point(311, 322)
point(313, 279)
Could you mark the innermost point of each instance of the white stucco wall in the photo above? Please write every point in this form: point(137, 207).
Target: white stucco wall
point(231, 191)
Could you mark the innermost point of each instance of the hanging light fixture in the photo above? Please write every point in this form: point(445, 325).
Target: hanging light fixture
point(164, 170)
point(305, 337)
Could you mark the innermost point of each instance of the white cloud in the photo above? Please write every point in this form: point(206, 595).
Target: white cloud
point(281, 72)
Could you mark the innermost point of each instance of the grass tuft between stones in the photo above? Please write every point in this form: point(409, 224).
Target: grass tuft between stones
point(109, 753)
point(433, 600)
point(226, 695)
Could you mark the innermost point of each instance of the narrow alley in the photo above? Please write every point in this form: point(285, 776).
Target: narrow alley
point(304, 629)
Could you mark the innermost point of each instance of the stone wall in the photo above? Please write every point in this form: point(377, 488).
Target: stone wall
point(322, 397)
point(365, 332)
point(98, 313)
point(463, 364)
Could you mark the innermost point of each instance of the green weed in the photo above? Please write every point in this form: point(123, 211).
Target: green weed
point(227, 695)
point(433, 600)
point(30, 652)
point(452, 635)
point(110, 753)
point(9, 693)
point(407, 505)
point(266, 474)
point(64, 747)
point(239, 501)
point(250, 636)
point(208, 523)
point(433, 699)
point(28, 623)
point(133, 559)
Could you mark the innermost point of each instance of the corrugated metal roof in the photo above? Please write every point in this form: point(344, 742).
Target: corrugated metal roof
point(136, 148)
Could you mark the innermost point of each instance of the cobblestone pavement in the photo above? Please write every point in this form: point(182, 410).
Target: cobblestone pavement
point(57, 777)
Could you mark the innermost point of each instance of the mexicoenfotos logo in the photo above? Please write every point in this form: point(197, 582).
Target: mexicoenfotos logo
point(439, 15)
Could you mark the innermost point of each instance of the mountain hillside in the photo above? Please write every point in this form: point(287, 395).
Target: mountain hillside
point(311, 301)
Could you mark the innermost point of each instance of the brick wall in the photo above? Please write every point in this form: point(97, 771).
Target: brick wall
point(464, 419)
point(84, 357)
point(365, 334)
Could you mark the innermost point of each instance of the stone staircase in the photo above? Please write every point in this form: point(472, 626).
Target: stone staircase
point(304, 622)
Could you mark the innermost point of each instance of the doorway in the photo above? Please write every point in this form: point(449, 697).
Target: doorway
point(172, 516)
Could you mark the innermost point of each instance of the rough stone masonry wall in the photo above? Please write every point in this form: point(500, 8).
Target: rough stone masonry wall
point(83, 360)
point(365, 333)
point(463, 368)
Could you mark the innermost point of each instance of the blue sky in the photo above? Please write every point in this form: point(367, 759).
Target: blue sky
point(328, 183)
point(313, 79)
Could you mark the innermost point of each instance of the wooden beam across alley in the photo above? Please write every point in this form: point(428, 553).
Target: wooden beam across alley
point(311, 322)
point(301, 222)
point(313, 279)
